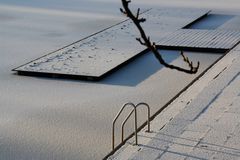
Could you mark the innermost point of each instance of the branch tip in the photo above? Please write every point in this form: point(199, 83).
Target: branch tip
point(138, 12)
point(141, 20)
point(140, 41)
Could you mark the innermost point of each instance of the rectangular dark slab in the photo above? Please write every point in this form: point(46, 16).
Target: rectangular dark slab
point(201, 40)
point(100, 54)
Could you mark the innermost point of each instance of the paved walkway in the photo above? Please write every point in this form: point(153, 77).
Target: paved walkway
point(203, 123)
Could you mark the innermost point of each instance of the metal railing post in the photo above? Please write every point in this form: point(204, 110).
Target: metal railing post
point(115, 119)
point(123, 124)
point(136, 138)
point(126, 119)
point(148, 114)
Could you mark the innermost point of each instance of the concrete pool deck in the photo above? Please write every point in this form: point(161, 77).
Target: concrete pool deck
point(202, 123)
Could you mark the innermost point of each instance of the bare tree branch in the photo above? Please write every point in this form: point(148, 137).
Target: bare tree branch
point(144, 40)
point(138, 13)
point(140, 41)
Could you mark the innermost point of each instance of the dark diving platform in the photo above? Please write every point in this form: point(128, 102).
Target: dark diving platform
point(102, 53)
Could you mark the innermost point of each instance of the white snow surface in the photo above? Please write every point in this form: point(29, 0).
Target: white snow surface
point(43, 118)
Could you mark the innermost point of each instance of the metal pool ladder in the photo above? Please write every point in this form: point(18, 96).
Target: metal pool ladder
point(135, 120)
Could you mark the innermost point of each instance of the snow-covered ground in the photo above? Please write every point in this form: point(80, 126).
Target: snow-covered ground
point(43, 118)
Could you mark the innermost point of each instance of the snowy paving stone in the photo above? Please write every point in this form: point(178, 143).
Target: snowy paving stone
point(209, 95)
point(182, 146)
point(197, 128)
point(199, 105)
point(193, 110)
point(236, 132)
point(216, 111)
point(160, 142)
point(232, 90)
point(223, 102)
point(151, 154)
point(192, 136)
point(205, 120)
point(215, 138)
point(224, 156)
point(201, 153)
point(179, 122)
point(228, 122)
point(171, 130)
point(171, 155)
point(233, 144)
point(152, 149)
point(186, 142)
point(192, 158)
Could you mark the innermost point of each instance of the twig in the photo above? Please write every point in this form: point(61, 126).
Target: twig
point(144, 40)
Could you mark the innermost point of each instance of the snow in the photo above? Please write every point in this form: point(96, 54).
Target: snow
point(43, 118)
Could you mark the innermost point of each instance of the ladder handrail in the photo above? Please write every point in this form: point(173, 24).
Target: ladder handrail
point(115, 119)
point(148, 115)
point(148, 118)
point(123, 124)
point(126, 119)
